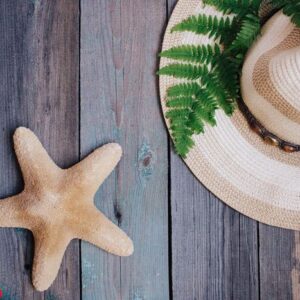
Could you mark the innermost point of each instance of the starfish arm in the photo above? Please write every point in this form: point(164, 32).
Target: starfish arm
point(48, 255)
point(12, 213)
point(97, 229)
point(36, 165)
point(88, 174)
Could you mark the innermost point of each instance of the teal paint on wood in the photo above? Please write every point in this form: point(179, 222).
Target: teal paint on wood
point(89, 273)
point(119, 102)
point(6, 294)
point(146, 162)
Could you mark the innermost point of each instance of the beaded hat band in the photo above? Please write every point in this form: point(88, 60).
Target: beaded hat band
point(270, 84)
point(264, 133)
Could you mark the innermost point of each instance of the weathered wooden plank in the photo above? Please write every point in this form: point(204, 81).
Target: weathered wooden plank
point(119, 102)
point(214, 248)
point(39, 61)
point(279, 263)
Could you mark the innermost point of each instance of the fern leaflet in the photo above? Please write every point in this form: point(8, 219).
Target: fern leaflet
point(197, 54)
point(238, 7)
point(186, 71)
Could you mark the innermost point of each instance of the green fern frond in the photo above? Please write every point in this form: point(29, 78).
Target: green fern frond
point(178, 123)
point(195, 123)
point(238, 7)
point(203, 108)
point(293, 11)
point(186, 71)
point(182, 136)
point(180, 102)
point(213, 26)
point(183, 143)
point(250, 29)
point(192, 53)
point(181, 130)
point(184, 89)
point(220, 94)
point(279, 4)
point(206, 99)
point(227, 72)
point(177, 113)
point(290, 8)
point(202, 113)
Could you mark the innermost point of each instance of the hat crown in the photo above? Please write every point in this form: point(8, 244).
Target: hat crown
point(284, 70)
point(270, 82)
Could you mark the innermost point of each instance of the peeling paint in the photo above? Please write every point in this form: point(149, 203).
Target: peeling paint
point(21, 230)
point(51, 297)
point(138, 295)
point(31, 7)
point(116, 132)
point(35, 1)
point(146, 160)
point(89, 274)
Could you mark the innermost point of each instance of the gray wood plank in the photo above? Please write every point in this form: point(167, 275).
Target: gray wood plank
point(119, 102)
point(279, 263)
point(39, 62)
point(214, 248)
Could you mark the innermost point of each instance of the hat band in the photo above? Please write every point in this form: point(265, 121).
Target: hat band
point(264, 133)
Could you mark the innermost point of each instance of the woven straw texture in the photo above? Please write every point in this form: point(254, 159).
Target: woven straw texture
point(256, 179)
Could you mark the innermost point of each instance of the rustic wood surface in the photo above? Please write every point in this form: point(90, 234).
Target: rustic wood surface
point(39, 68)
point(119, 102)
point(80, 74)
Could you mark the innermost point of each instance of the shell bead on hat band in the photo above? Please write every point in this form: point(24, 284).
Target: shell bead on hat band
point(266, 135)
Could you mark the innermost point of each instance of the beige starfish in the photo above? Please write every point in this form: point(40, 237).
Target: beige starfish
point(57, 205)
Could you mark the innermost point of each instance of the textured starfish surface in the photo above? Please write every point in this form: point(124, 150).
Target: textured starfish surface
point(57, 205)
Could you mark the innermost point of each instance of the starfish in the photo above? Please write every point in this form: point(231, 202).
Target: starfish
point(57, 205)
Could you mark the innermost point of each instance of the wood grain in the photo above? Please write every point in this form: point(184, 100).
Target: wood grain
point(279, 263)
point(119, 102)
point(39, 62)
point(215, 252)
point(214, 248)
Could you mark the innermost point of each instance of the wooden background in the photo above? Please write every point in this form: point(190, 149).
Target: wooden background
point(80, 74)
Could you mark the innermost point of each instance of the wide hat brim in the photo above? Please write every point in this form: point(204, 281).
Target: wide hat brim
point(234, 163)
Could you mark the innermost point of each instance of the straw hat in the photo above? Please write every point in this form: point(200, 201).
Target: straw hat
point(259, 180)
